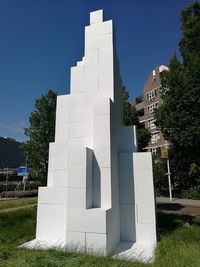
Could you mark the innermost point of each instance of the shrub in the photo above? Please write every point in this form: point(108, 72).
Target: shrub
point(19, 194)
point(10, 186)
point(30, 185)
point(190, 194)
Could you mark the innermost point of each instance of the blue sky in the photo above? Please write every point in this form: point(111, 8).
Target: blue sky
point(41, 39)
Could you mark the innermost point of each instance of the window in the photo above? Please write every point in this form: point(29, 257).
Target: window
point(155, 150)
point(150, 96)
point(151, 124)
point(155, 137)
point(150, 108)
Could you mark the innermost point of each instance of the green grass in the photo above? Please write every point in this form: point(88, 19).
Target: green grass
point(14, 203)
point(178, 246)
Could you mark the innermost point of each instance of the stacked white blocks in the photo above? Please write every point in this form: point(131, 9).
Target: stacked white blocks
point(99, 191)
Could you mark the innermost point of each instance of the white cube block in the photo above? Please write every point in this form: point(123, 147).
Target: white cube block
point(144, 196)
point(62, 115)
point(62, 132)
point(92, 57)
point(126, 178)
point(52, 195)
point(63, 101)
point(76, 100)
point(102, 106)
point(51, 166)
point(127, 232)
point(96, 242)
point(96, 16)
point(50, 178)
point(102, 124)
point(60, 162)
point(106, 68)
point(103, 157)
point(78, 158)
point(77, 177)
point(146, 213)
point(107, 27)
point(127, 143)
point(52, 224)
point(98, 29)
point(105, 174)
point(81, 114)
point(82, 129)
point(60, 178)
point(146, 233)
point(51, 149)
point(92, 220)
point(91, 83)
point(142, 161)
point(126, 195)
point(105, 54)
point(75, 241)
point(76, 198)
point(77, 79)
point(127, 213)
point(98, 42)
point(102, 140)
point(61, 147)
point(80, 63)
point(126, 161)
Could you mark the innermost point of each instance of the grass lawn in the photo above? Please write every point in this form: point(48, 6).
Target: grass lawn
point(14, 203)
point(179, 244)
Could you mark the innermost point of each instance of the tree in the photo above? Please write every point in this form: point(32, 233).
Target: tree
point(179, 116)
point(130, 117)
point(41, 132)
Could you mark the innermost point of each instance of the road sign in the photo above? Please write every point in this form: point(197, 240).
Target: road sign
point(164, 152)
point(23, 171)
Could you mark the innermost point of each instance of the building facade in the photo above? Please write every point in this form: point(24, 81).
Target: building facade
point(151, 101)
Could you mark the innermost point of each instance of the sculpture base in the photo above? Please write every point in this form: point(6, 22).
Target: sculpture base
point(135, 251)
point(125, 250)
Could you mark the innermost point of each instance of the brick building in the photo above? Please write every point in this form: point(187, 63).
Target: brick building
point(152, 100)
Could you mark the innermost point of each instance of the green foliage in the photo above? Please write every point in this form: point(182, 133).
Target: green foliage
point(130, 117)
point(19, 194)
point(160, 178)
point(30, 185)
point(179, 116)
point(178, 245)
point(41, 132)
point(14, 203)
point(143, 136)
point(190, 194)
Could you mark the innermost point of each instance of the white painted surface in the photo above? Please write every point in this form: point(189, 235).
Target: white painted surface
point(100, 191)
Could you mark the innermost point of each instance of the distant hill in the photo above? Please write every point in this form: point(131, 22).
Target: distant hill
point(11, 153)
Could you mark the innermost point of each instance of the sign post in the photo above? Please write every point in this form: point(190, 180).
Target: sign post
point(169, 180)
point(24, 171)
point(164, 155)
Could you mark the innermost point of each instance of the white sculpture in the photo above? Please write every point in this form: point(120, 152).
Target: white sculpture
point(99, 197)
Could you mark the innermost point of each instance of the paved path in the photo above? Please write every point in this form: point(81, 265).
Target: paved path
point(19, 208)
point(182, 206)
point(179, 201)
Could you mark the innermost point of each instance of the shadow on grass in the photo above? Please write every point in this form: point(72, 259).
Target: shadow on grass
point(170, 206)
point(169, 222)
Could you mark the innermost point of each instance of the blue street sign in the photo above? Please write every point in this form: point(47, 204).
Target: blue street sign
point(23, 171)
